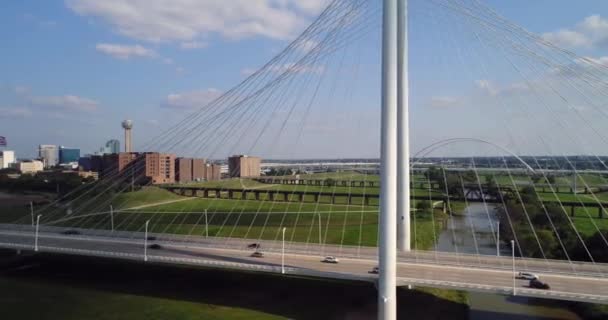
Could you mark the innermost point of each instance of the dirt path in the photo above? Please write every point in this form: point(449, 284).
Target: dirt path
point(159, 203)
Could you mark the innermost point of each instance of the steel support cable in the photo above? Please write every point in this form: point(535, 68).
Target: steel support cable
point(561, 205)
point(283, 125)
point(557, 234)
point(484, 68)
point(530, 85)
point(277, 137)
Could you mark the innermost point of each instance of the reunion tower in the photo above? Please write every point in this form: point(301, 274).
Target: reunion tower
point(128, 125)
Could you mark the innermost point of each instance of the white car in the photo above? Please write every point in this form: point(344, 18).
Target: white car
point(330, 259)
point(527, 276)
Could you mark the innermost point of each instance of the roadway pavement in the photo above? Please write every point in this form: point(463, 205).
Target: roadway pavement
point(564, 285)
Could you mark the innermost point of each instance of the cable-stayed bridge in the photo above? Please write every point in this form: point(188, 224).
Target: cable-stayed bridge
point(473, 73)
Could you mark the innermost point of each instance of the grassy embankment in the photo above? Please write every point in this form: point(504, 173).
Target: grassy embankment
point(63, 288)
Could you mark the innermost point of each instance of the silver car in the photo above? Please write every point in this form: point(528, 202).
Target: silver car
point(526, 276)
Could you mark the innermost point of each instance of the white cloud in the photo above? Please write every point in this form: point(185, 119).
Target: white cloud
point(444, 101)
point(567, 38)
point(591, 32)
point(192, 45)
point(191, 99)
point(66, 103)
point(124, 51)
point(187, 20)
point(12, 113)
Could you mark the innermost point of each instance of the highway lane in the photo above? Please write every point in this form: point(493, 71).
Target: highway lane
point(464, 278)
point(416, 256)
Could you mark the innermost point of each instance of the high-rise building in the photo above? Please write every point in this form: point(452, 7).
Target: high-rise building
point(112, 146)
point(128, 126)
point(198, 169)
point(160, 167)
point(213, 172)
point(48, 154)
point(7, 158)
point(67, 155)
point(242, 166)
point(154, 167)
point(183, 170)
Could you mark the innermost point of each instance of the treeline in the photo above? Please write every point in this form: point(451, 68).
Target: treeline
point(60, 183)
point(545, 230)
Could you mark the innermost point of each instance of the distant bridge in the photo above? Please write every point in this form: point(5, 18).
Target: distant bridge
point(329, 197)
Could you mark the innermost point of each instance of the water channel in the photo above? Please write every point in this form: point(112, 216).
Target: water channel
point(458, 237)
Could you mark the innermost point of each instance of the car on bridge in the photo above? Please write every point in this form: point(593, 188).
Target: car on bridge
point(70, 232)
point(155, 246)
point(254, 246)
point(527, 276)
point(375, 270)
point(330, 259)
point(537, 284)
point(258, 254)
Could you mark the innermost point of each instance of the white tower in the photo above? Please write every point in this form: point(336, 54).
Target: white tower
point(128, 125)
point(387, 251)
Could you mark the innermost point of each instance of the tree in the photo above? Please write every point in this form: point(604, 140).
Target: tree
point(423, 207)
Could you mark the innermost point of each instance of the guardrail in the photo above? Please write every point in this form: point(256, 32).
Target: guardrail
point(548, 294)
point(600, 270)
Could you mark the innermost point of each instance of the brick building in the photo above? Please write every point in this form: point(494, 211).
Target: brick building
point(242, 166)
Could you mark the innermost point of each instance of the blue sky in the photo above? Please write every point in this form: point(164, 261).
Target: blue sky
point(72, 70)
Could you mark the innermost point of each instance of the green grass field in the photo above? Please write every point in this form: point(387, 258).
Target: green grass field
point(341, 224)
point(66, 302)
point(61, 287)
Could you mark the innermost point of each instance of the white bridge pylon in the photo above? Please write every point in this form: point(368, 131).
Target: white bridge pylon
point(394, 170)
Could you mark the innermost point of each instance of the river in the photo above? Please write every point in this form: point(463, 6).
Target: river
point(458, 237)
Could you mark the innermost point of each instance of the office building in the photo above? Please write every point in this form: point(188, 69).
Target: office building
point(30, 167)
point(183, 170)
point(112, 146)
point(187, 170)
point(152, 167)
point(7, 158)
point(213, 172)
point(198, 169)
point(67, 155)
point(242, 166)
point(48, 154)
point(160, 167)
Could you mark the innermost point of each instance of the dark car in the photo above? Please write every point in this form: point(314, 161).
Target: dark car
point(375, 270)
point(71, 232)
point(155, 246)
point(257, 254)
point(537, 284)
point(253, 246)
point(152, 238)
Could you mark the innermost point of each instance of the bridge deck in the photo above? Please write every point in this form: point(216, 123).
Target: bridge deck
point(578, 282)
